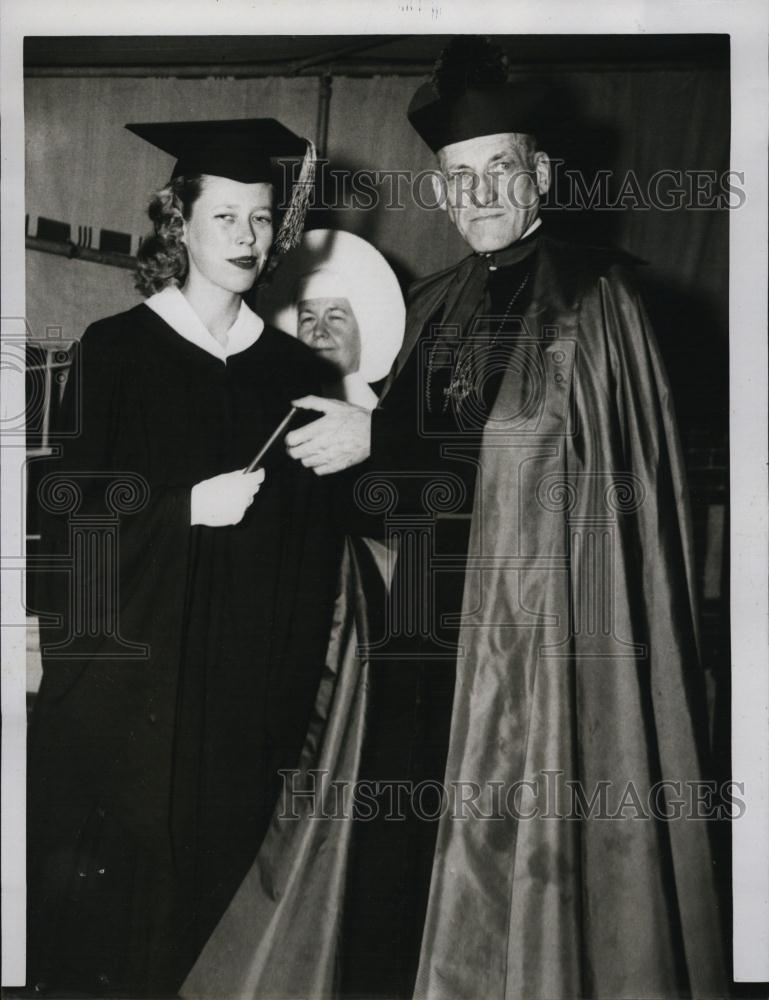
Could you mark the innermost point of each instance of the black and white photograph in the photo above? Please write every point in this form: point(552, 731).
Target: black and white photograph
point(384, 455)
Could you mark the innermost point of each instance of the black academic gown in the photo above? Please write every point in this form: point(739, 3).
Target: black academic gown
point(169, 703)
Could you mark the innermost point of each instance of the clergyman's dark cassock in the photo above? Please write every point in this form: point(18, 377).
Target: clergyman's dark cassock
point(577, 659)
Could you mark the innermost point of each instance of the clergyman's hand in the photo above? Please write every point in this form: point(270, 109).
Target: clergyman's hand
point(335, 441)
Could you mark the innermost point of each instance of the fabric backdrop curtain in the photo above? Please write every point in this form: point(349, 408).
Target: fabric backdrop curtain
point(84, 169)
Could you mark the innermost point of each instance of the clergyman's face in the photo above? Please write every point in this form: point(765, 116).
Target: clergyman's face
point(492, 186)
point(329, 326)
point(229, 233)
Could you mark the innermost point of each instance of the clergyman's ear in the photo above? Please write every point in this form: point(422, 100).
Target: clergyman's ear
point(542, 171)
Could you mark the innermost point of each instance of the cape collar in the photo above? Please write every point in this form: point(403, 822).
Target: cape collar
point(172, 307)
point(448, 286)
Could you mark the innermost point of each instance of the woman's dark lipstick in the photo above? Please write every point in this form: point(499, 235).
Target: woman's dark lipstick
point(243, 262)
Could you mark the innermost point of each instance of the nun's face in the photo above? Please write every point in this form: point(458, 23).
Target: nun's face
point(329, 326)
point(229, 233)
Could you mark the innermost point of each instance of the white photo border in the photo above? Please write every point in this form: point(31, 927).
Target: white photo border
point(747, 22)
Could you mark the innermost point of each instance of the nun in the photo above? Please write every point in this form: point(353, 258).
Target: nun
point(338, 295)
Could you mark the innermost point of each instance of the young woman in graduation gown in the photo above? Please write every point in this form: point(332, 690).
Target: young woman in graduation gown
point(193, 598)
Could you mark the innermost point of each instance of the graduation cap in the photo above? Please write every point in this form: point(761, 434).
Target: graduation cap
point(241, 149)
point(469, 95)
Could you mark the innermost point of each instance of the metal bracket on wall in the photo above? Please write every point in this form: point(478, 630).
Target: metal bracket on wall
point(66, 248)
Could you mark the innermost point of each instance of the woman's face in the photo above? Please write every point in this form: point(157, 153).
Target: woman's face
point(229, 233)
point(329, 326)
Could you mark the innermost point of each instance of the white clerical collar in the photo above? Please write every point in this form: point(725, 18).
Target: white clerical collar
point(173, 307)
point(535, 225)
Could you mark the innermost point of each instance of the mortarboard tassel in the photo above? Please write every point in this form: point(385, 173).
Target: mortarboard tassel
point(290, 232)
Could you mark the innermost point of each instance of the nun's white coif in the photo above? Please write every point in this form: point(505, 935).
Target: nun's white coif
point(330, 263)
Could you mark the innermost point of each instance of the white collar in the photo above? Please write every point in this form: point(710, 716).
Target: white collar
point(173, 307)
point(535, 225)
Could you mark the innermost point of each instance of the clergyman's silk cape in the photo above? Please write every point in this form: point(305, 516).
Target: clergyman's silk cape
point(579, 676)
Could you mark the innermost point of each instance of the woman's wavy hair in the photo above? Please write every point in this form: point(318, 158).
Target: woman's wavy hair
point(162, 257)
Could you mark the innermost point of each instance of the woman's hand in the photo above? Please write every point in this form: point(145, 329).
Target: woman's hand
point(224, 499)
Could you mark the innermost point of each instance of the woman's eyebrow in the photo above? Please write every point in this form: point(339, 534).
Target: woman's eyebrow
point(256, 208)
